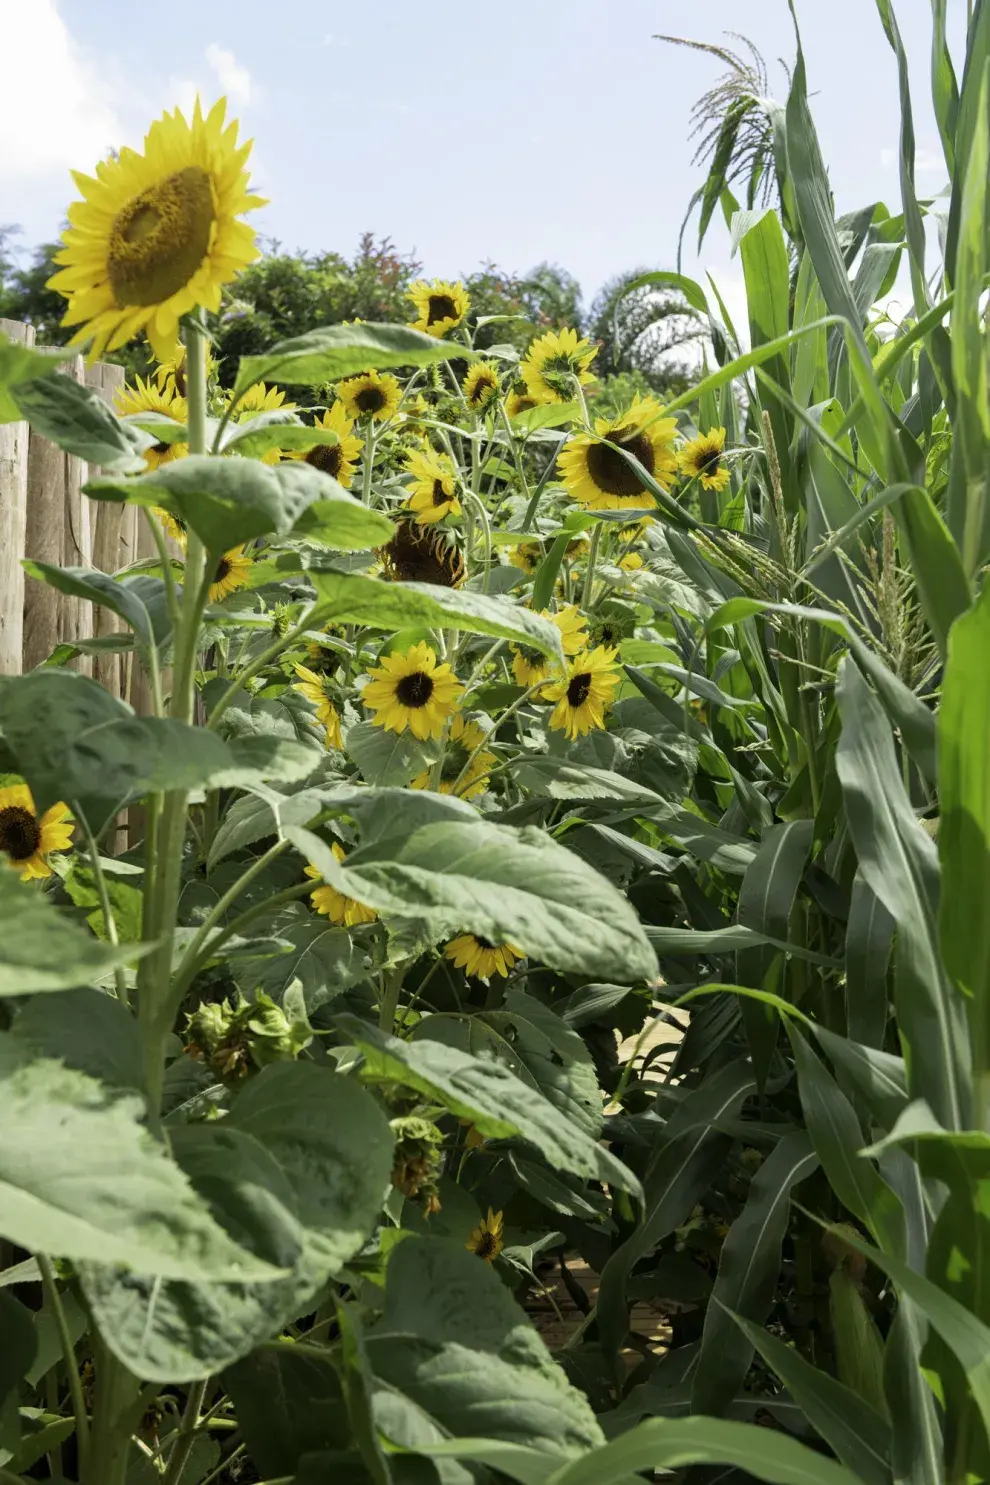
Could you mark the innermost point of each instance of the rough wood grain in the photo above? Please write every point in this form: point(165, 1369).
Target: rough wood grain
point(77, 542)
point(113, 530)
point(13, 518)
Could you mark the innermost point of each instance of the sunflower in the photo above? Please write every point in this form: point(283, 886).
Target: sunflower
point(599, 478)
point(631, 562)
point(372, 394)
point(433, 491)
point(527, 556)
point(157, 234)
point(486, 1239)
point(171, 374)
point(554, 363)
point(175, 526)
point(440, 305)
point(412, 690)
point(258, 399)
point(339, 459)
point(232, 572)
point(480, 385)
point(464, 738)
point(323, 657)
point(477, 956)
point(311, 686)
point(584, 693)
point(333, 904)
point(25, 840)
point(418, 555)
point(702, 459)
point(144, 397)
point(531, 666)
point(519, 400)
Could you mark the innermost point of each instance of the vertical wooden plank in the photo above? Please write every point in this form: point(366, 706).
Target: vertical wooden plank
point(113, 542)
point(44, 607)
point(78, 616)
point(13, 517)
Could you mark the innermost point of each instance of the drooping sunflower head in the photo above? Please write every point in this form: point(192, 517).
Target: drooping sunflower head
point(487, 1239)
point(463, 771)
point(411, 690)
point(330, 903)
point(440, 305)
point(312, 687)
point(418, 555)
point(145, 397)
point(555, 364)
point(27, 840)
point(702, 459)
point(433, 487)
point(157, 233)
point(596, 473)
point(339, 459)
point(520, 400)
point(479, 956)
point(481, 385)
point(232, 572)
point(585, 693)
point(370, 394)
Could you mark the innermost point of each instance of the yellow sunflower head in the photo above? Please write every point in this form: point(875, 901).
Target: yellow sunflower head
point(477, 956)
point(330, 903)
point(460, 758)
point(527, 556)
point(311, 686)
point(573, 628)
point(520, 400)
point(599, 478)
point(232, 572)
point(262, 398)
point(585, 693)
point(702, 459)
point(555, 364)
point(157, 233)
point(529, 666)
point(440, 305)
point(487, 1239)
point(481, 385)
point(145, 397)
point(412, 690)
point(418, 555)
point(370, 394)
point(433, 488)
point(171, 373)
point(26, 840)
point(339, 459)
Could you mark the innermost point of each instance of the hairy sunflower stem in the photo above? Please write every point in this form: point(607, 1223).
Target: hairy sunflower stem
point(109, 921)
point(54, 1303)
point(588, 591)
point(368, 463)
point(187, 1434)
point(391, 990)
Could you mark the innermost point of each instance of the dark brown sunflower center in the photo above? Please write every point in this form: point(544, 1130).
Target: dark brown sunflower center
point(454, 760)
point(415, 555)
point(20, 833)
point(523, 404)
point(442, 307)
point(533, 658)
point(440, 495)
point(709, 460)
point(159, 239)
point(414, 690)
point(579, 689)
point(608, 635)
point(483, 943)
point(160, 448)
point(610, 471)
point(370, 399)
point(482, 390)
point(222, 570)
point(326, 457)
point(487, 1246)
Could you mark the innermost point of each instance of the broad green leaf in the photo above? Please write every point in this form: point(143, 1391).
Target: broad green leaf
point(351, 598)
point(87, 1030)
point(388, 758)
point(498, 1103)
point(509, 886)
point(261, 813)
point(358, 1385)
point(20, 365)
point(81, 1177)
point(276, 428)
point(226, 502)
point(140, 601)
point(869, 938)
point(767, 273)
point(724, 941)
point(289, 1403)
point(335, 351)
point(943, 586)
point(77, 418)
point(561, 778)
point(554, 1056)
point(20, 1344)
point(323, 959)
point(47, 952)
point(878, 1077)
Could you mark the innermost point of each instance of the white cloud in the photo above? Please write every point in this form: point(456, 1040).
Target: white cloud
point(234, 80)
point(68, 121)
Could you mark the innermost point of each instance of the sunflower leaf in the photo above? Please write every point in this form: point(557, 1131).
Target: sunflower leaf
point(77, 419)
point(276, 428)
point(139, 600)
point(20, 365)
point(47, 952)
point(334, 351)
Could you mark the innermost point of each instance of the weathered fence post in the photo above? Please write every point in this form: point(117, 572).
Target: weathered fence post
point(13, 518)
point(43, 606)
point(113, 543)
point(79, 616)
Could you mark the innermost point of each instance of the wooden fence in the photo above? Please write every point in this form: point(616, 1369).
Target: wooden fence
point(44, 515)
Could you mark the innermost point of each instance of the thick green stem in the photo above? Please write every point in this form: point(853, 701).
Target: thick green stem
point(109, 921)
point(588, 593)
point(390, 1001)
point(368, 464)
point(187, 1434)
point(54, 1302)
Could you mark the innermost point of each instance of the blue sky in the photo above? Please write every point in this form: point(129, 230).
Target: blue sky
point(518, 131)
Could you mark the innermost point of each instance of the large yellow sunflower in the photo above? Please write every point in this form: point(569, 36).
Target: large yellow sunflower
point(433, 491)
point(584, 694)
point(412, 690)
point(527, 556)
point(486, 1239)
point(476, 956)
point(463, 739)
point(26, 840)
point(372, 394)
point(530, 666)
point(145, 397)
point(702, 458)
point(157, 234)
point(311, 686)
point(481, 385)
point(336, 459)
point(440, 305)
point(554, 363)
point(333, 904)
point(232, 572)
point(599, 478)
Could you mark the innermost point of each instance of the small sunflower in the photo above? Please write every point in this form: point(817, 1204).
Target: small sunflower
point(464, 738)
point(631, 562)
point(527, 556)
point(520, 400)
point(157, 233)
point(481, 385)
point(330, 903)
point(584, 694)
point(262, 398)
point(339, 459)
point(433, 491)
point(418, 555)
point(702, 459)
point(530, 666)
point(311, 686)
point(412, 690)
point(554, 363)
point(144, 397)
point(599, 478)
point(232, 572)
point(26, 840)
point(476, 956)
point(171, 374)
point(372, 394)
point(486, 1239)
point(440, 305)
